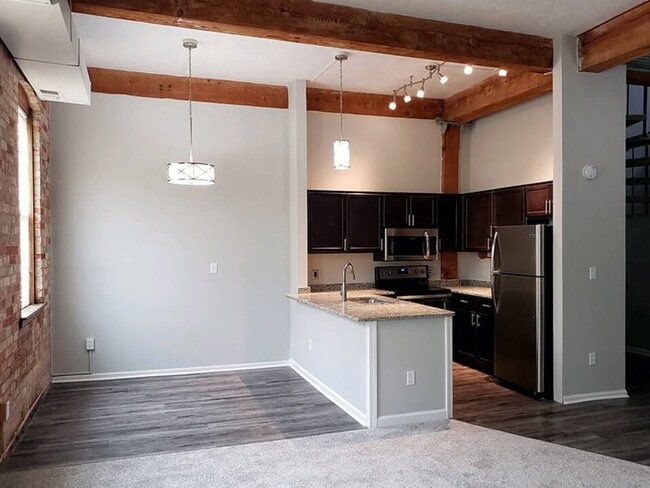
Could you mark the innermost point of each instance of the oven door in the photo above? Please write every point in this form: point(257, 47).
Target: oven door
point(442, 300)
point(411, 244)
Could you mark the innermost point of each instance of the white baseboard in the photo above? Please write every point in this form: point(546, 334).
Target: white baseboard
point(412, 418)
point(638, 350)
point(591, 397)
point(166, 372)
point(334, 397)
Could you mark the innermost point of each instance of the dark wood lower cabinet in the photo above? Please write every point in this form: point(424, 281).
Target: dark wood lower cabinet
point(473, 332)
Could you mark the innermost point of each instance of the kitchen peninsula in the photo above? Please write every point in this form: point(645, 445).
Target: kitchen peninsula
point(384, 361)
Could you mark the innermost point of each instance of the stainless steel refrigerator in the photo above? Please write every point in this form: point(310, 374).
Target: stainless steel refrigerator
point(521, 258)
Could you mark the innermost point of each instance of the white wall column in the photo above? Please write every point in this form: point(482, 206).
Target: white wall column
point(298, 184)
point(589, 229)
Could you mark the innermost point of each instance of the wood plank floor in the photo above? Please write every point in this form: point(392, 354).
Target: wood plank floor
point(92, 421)
point(617, 428)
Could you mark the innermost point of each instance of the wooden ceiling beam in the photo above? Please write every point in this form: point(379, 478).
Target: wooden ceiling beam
point(176, 87)
point(494, 94)
point(617, 41)
point(320, 100)
point(342, 27)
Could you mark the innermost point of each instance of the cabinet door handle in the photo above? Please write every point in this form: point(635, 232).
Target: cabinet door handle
point(486, 305)
point(463, 301)
point(489, 244)
point(550, 207)
point(478, 324)
point(345, 243)
point(381, 244)
point(473, 319)
point(547, 207)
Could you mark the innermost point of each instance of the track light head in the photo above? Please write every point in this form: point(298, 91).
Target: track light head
point(468, 69)
point(443, 78)
point(407, 98)
point(503, 72)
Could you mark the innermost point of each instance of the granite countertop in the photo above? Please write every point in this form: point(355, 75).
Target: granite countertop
point(475, 291)
point(388, 309)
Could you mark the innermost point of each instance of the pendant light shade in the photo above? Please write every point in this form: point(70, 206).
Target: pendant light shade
point(190, 172)
point(342, 154)
point(341, 146)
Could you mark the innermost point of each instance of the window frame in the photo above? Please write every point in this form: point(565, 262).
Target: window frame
point(24, 110)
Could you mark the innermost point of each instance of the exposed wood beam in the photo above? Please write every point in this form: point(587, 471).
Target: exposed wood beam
point(449, 184)
point(638, 77)
point(617, 41)
point(494, 94)
point(343, 27)
point(320, 100)
point(176, 87)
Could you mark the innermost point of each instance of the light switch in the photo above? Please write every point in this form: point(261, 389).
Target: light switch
point(593, 273)
point(410, 378)
point(213, 268)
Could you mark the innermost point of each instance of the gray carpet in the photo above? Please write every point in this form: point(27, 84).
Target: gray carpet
point(414, 456)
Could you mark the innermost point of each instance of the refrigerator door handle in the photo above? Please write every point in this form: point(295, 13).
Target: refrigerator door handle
point(494, 272)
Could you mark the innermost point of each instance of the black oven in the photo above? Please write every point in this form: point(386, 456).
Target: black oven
point(411, 244)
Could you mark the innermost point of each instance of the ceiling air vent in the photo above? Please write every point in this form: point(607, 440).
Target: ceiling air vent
point(52, 95)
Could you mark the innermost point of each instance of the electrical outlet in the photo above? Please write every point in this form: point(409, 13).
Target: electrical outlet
point(410, 378)
point(310, 344)
point(90, 344)
point(593, 273)
point(214, 268)
point(592, 359)
point(314, 273)
point(5, 411)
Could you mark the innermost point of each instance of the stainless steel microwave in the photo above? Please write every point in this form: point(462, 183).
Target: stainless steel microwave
point(411, 244)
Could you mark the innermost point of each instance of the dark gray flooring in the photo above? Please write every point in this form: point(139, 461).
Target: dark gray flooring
point(617, 428)
point(92, 421)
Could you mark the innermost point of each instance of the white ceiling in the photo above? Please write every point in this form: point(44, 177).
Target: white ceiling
point(149, 48)
point(547, 18)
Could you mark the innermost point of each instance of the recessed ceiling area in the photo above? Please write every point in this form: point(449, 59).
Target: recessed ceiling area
point(547, 18)
point(136, 46)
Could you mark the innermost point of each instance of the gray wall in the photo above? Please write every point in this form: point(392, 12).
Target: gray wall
point(131, 252)
point(589, 225)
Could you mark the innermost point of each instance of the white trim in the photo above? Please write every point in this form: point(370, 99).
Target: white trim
point(334, 397)
point(598, 395)
point(166, 372)
point(371, 373)
point(638, 350)
point(412, 418)
point(449, 376)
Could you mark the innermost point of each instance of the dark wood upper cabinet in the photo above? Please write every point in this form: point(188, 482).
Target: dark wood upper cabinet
point(449, 219)
point(326, 221)
point(423, 211)
point(396, 210)
point(364, 222)
point(539, 200)
point(477, 219)
point(508, 207)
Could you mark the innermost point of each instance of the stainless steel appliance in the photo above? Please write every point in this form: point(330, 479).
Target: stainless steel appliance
point(411, 244)
point(521, 264)
point(411, 283)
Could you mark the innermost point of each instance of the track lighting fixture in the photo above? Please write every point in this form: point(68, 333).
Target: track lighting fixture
point(393, 105)
point(420, 93)
point(468, 69)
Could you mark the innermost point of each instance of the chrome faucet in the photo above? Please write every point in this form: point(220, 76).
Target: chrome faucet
point(344, 284)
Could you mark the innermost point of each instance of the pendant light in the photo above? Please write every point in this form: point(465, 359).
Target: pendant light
point(190, 172)
point(341, 146)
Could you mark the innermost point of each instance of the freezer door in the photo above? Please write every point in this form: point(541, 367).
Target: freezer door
point(518, 330)
point(519, 249)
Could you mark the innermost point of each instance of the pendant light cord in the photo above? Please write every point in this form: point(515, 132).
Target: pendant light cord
point(341, 94)
point(190, 105)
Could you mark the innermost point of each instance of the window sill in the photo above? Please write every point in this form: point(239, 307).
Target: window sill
point(29, 313)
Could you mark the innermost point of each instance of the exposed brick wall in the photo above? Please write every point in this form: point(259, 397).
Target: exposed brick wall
point(25, 354)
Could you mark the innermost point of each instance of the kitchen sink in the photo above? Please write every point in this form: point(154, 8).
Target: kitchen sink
point(368, 300)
